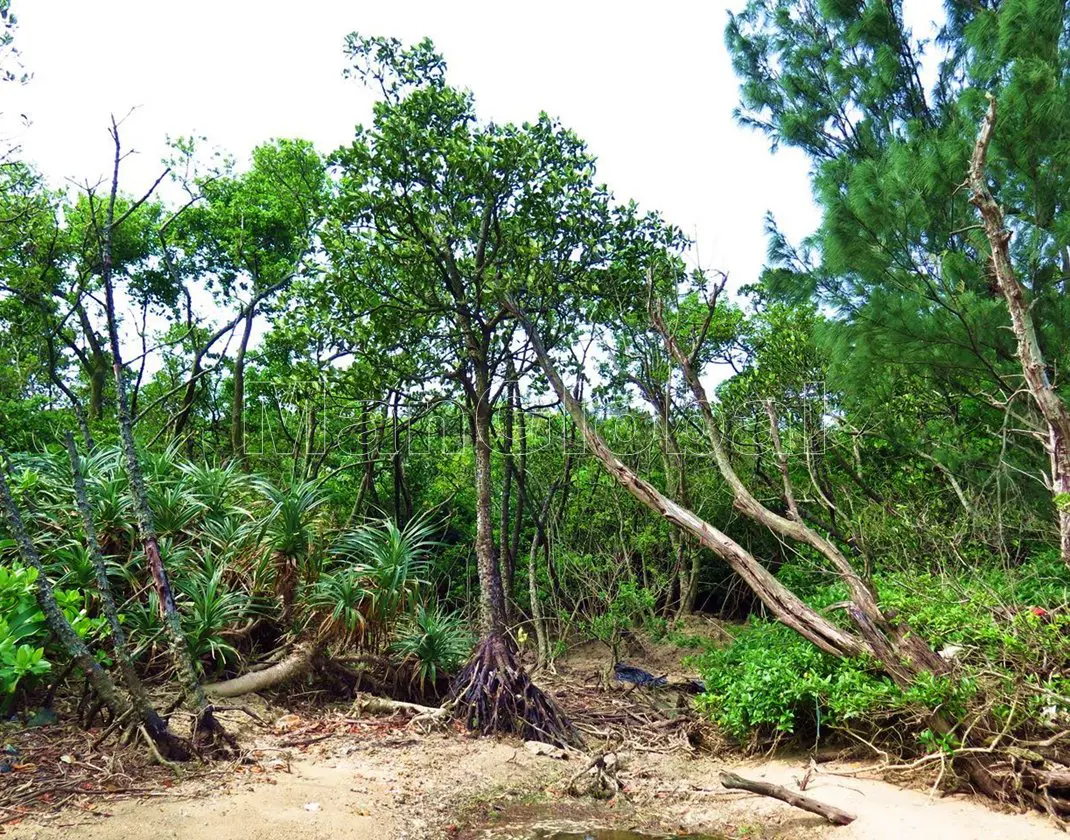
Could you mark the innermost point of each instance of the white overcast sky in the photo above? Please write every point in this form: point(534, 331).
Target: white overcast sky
point(649, 86)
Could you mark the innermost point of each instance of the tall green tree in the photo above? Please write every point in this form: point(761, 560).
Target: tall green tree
point(243, 239)
point(440, 217)
point(899, 261)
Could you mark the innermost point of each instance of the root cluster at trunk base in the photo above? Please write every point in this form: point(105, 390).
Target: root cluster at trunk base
point(494, 695)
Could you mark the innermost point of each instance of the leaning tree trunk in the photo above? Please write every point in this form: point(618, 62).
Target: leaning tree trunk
point(784, 604)
point(1051, 406)
point(170, 746)
point(902, 654)
point(207, 731)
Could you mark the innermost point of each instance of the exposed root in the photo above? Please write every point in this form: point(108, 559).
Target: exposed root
point(165, 744)
point(601, 771)
point(164, 762)
point(494, 696)
point(297, 664)
point(209, 738)
point(424, 717)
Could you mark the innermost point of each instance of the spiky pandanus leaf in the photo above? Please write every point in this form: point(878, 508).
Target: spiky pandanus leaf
point(433, 643)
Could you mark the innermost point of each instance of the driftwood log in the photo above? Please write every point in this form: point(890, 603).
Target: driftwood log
point(831, 813)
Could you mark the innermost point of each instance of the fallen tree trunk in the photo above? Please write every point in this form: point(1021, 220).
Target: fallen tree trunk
point(297, 664)
point(385, 706)
point(834, 815)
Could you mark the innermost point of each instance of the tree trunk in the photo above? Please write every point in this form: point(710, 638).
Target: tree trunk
point(178, 422)
point(492, 693)
point(97, 369)
point(206, 728)
point(1051, 406)
point(689, 577)
point(402, 501)
point(169, 745)
point(98, 375)
point(237, 408)
point(492, 596)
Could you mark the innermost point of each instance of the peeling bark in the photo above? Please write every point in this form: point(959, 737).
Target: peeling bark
point(1051, 406)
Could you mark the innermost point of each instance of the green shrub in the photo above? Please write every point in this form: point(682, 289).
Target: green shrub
point(26, 647)
point(771, 680)
point(1002, 628)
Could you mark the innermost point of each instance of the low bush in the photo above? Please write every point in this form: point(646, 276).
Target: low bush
point(26, 648)
point(1007, 632)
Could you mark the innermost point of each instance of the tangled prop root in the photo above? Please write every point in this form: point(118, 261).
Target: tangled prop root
point(495, 696)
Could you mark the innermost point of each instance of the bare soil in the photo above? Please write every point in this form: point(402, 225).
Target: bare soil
point(449, 785)
point(334, 774)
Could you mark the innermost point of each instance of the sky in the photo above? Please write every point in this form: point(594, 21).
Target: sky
point(649, 87)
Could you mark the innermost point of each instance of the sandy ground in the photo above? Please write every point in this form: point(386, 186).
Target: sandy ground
point(448, 785)
point(336, 774)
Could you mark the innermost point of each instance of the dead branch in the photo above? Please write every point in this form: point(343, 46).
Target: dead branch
point(834, 815)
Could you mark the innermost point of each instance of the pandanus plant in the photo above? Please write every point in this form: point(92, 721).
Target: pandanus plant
point(288, 531)
point(379, 572)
